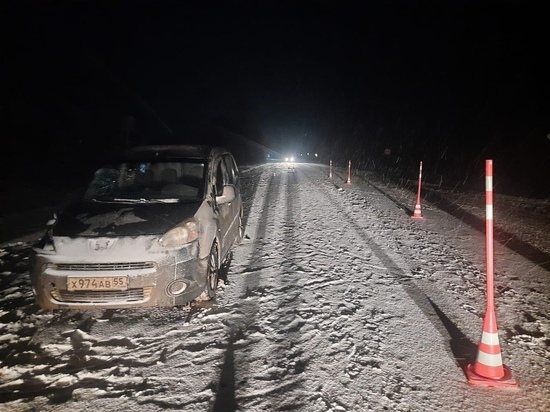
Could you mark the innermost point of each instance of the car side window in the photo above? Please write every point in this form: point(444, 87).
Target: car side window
point(233, 174)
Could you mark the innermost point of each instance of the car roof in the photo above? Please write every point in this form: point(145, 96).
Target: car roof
point(173, 152)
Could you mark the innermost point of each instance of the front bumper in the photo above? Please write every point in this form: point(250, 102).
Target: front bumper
point(154, 277)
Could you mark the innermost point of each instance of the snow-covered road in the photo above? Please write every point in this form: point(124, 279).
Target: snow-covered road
point(336, 300)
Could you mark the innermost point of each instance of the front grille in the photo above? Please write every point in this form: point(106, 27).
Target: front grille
point(101, 266)
point(102, 296)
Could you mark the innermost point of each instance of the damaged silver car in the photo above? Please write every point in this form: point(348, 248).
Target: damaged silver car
point(153, 228)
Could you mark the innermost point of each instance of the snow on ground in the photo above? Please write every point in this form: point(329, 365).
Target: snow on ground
point(336, 300)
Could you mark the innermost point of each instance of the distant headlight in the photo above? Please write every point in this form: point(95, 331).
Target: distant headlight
point(181, 234)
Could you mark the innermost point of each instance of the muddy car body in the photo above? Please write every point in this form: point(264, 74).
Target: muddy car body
point(153, 229)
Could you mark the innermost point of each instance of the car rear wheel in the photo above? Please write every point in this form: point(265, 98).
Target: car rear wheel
point(212, 274)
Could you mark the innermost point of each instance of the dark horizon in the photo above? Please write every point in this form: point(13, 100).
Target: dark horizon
point(449, 83)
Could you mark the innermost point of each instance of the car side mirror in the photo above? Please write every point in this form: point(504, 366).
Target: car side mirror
point(228, 195)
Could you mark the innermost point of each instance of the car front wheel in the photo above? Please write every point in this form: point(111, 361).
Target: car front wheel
point(212, 275)
point(240, 235)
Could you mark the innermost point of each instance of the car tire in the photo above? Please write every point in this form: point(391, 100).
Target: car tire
point(240, 234)
point(212, 275)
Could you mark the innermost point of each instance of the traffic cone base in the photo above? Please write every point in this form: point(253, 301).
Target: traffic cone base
point(488, 369)
point(417, 212)
point(506, 381)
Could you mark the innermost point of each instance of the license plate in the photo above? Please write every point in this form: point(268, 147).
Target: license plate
point(107, 283)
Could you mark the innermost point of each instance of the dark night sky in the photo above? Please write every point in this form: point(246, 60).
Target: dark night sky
point(447, 82)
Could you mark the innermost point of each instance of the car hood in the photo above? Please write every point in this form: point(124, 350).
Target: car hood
point(91, 219)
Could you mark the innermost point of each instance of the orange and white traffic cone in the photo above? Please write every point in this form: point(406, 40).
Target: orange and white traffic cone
point(417, 212)
point(488, 369)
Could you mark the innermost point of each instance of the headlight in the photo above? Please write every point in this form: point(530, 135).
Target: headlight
point(181, 234)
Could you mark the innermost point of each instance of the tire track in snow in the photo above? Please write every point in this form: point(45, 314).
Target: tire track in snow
point(287, 357)
point(460, 348)
point(347, 295)
point(276, 371)
point(329, 300)
point(249, 293)
point(306, 313)
point(397, 271)
point(286, 330)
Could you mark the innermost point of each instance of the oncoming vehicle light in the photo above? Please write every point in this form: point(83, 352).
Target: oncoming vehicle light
point(181, 234)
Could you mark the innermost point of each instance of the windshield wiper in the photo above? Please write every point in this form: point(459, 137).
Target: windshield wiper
point(130, 200)
point(142, 200)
